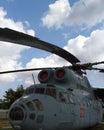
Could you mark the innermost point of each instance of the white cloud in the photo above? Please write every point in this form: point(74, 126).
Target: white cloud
point(83, 13)
point(9, 53)
point(10, 23)
point(31, 32)
point(49, 61)
point(2, 13)
point(57, 13)
point(88, 49)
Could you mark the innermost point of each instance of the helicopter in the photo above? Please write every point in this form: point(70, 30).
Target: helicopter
point(63, 99)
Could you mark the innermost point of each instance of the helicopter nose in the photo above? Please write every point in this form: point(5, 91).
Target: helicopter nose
point(22, 112)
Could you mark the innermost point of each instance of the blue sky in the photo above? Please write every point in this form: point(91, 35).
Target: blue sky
point(75, 25)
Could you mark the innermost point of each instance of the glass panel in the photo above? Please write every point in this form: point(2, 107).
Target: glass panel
point(51, 92)
point(38, 104)
point(32, 116)
point(71, 98)
point(30, 106)
point(29, 90)
point(16, 114)
point(39, 90)
point(40, 118)
point(61, 97)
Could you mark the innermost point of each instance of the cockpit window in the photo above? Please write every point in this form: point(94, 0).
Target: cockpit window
point(30, 90)
point(71, 98)
point(30, 106)
point(62, 97)
point(39, 105)
point(47, 90)
point(51, 91)
point(39, 90)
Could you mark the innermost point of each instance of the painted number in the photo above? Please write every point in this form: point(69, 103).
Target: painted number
point(82, 112)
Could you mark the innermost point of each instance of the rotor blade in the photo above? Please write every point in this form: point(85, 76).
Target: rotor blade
point(86, 65)
point(22, 70)
point(96, 63)
point(31, 69)
point(100, 70)
point(16, 37)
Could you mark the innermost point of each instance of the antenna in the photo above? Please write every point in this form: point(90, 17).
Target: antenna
point(33, 79)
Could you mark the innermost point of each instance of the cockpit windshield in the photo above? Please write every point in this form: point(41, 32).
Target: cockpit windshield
point(30, 90)
point(39, 90)
point(49, 90)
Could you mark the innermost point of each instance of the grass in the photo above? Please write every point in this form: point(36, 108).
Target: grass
point(6, 129)
point(4, 125)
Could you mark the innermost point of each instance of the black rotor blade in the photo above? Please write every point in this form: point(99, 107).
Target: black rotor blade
point(86, 66)
point(99, 69)
point(31, 69)
point(16, 37)
point(22, 70)
point(102, 70)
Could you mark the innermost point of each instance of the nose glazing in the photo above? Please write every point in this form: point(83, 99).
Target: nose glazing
point(16, 114)
point(30, 110)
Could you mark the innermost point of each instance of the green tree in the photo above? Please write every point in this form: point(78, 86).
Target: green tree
point(10, 96)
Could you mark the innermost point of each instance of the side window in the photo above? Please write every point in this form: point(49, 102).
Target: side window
point(30, 106)
point(71, 98)
point(62, 97)
point(39, 105)
point(51, 92)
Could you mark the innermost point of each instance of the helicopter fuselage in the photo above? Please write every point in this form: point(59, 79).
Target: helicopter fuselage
point(62, 100)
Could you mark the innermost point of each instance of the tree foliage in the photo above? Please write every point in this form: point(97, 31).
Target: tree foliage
point(10, 96)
